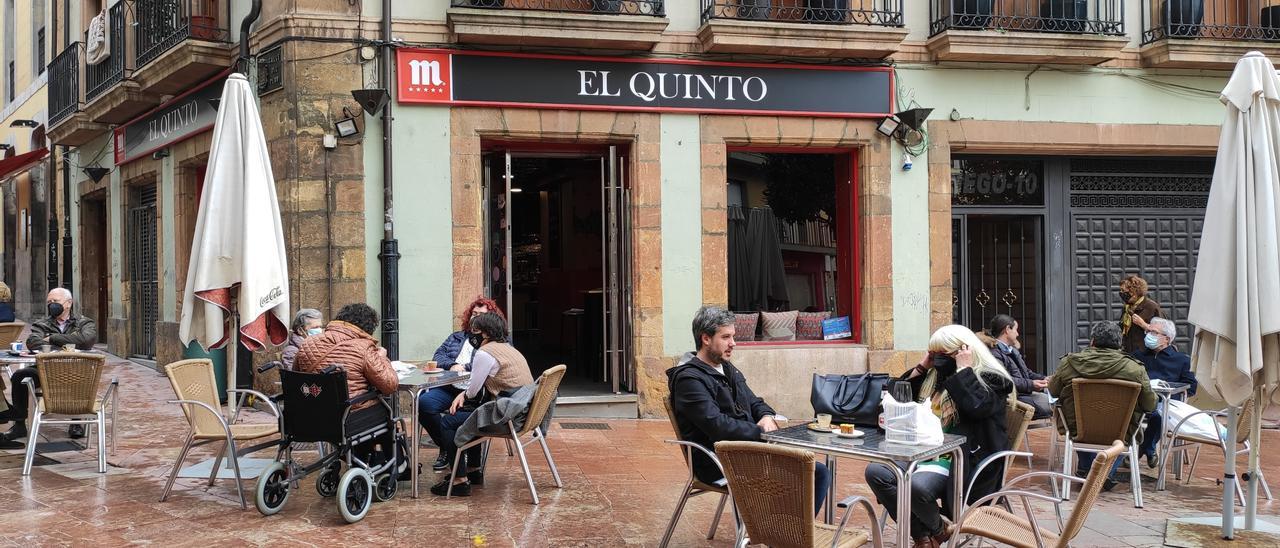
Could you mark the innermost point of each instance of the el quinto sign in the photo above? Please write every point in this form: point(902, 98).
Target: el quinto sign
point(179, 119)
point(595, 83)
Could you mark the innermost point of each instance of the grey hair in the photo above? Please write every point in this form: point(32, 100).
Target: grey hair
point(63, 293)
point(1105, 334)
point(303, 316)
point(707, 321)
point(1165, 326)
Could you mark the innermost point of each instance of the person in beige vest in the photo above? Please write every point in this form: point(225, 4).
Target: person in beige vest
point(497, 368)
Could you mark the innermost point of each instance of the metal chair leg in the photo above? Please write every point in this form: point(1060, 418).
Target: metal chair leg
point(510, 453)
point(31, 444)
point(1135, 478)
point(1192, 469)
point(1067, 454)
point(102, 443)
point(177, 465)
point(1263, 480)
point(217, 463)
point(715, 521)
point(542, 439)
point(1026, 443)
point(675, 516)
point(524, 464)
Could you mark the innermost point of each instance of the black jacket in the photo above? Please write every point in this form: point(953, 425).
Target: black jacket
point(711, 407)
point(1168, 365)
point(80, 331)
point(981, 421)
point(1014, 364)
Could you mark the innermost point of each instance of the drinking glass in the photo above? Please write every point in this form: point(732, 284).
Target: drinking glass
point(824, 421)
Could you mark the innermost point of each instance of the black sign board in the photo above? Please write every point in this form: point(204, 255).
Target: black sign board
point(544, 81)
point(997, 181)
point(177, 120)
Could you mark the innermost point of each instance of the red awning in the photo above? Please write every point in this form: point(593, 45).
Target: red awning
point(21, 161)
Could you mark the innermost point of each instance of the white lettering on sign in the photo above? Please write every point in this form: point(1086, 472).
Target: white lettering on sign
point(173, 122)
point(650, 86)
point(425, 73)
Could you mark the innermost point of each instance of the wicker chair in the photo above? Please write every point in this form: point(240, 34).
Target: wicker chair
point(693, 487)
point(548, 386)
point(1002, 525)
point(194, 385)
point(1242, 427)
point(70, 396)
point(772, 488)
point(1103, 408)
point(9, 333)
point(1037, 424)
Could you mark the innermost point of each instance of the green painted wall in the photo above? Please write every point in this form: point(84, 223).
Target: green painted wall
point(168, 297)
point(681, 228)
point(424, 224)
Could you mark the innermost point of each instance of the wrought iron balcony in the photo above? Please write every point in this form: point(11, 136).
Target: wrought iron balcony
point(108, 72)
point(1063, 16)
point(64, 84)
point(1211, 19)
point(885, 13)
point(598, 7)
point(163, 24)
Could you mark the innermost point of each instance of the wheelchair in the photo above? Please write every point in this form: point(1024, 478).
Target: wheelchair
point(317, 409)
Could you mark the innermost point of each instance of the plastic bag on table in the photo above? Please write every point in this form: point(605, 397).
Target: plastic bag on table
point(910, 423)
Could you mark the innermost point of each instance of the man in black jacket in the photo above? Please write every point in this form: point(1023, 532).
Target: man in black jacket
point(712, 401)
point(62, 327)
point(1003, 341)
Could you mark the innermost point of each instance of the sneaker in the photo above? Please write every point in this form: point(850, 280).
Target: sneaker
point(76, 431)
point(6, 443)
point(441, 488)
point(1153, 460)
point(442, 463)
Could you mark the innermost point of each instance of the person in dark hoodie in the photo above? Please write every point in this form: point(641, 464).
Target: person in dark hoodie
point(969, 390)
point(712, 401)
point(1104, 359)
point(1002, 338)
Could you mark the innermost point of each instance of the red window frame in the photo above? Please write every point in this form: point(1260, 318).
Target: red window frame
point(849, 254)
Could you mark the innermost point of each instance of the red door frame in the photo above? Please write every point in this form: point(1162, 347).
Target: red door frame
point(848, 257)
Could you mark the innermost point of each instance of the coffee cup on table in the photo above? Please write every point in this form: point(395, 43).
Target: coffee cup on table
point(431, 365)
point(46, 348)
point(68, 348)
point(824, 421)
point(15, 346)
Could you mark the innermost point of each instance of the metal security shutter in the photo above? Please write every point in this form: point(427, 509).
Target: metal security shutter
point(1135, 216)
point(143, 285)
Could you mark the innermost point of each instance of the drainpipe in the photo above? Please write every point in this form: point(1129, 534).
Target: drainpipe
point(67, 273)
point(255, 11)
point(390, 255)
point(52, 194)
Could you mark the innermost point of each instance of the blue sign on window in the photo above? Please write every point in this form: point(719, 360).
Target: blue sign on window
point(836, 328)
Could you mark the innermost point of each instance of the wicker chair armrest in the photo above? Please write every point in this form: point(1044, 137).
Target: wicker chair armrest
point(706, 451)
point(987, 462)
point(202, 405)
point(1044, 474)
point(270, 404)
point(1024, 495)
point(871, 517)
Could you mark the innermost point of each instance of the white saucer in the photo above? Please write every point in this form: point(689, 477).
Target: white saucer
point(855, 434)
point(813, 427)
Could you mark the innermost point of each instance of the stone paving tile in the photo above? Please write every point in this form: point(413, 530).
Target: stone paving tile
point(620, 488)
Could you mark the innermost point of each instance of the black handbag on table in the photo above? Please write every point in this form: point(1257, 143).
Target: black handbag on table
point(849, 398)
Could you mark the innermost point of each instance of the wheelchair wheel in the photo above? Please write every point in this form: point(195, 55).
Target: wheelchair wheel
point(327, 481)
point(355, 494)
point(386, 487)
point(272, 489)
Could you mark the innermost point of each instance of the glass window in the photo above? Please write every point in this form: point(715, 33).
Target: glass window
point(977, 180)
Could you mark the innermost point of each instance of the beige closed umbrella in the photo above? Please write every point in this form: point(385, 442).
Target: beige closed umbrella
point(237, 273)
point(1235, 304)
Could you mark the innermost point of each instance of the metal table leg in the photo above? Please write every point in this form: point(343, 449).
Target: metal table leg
point(413, 444)
point(904, 502)
point(957, 476)
point(831, 491)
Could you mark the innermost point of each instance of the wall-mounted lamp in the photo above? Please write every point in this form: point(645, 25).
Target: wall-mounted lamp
point(96, 172)
point(371, 100)
point(346, 127)
point(6, 146)
point(904, 126)
point(24, 123)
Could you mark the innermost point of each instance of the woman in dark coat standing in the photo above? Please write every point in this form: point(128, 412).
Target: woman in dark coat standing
point(1139, 308)
point(968, 389)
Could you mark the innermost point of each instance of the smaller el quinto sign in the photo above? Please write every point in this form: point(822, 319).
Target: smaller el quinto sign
point(547, 81)
point(179, 119)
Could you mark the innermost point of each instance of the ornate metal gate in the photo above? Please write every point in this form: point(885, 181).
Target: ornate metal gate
point(1135, 216)
point(145, 306)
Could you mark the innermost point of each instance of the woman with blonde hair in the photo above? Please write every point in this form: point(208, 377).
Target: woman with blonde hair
point(6, 304)
point(968, 388)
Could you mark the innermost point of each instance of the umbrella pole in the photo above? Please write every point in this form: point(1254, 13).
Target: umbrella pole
point(233, 349)
point(1255, 445)
point(1229, 476)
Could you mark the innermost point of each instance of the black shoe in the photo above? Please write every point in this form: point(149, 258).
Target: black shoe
point(442, 463)
point(459, 489)
point(17, 432)
point(76, 431)
point(1109, 484)
point(6, 443)
point(1153, 460)
point(476, 478)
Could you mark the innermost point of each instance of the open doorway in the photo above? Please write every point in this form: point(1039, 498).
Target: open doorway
point(557, 260)
point(94, 250)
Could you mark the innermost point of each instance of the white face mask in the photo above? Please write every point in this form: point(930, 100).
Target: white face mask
point(314, 331)
point(1152, 341)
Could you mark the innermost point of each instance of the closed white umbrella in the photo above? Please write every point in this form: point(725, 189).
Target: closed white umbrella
point(1236, 301)
point(237, 254)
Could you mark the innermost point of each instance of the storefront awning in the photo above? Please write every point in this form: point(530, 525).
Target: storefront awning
point(21, 161)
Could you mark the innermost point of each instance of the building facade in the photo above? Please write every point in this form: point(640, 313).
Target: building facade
point(603, 168)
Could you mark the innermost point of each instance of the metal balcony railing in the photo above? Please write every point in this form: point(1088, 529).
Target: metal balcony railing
point(1210, 19)
point(606, 7)
point(100, 77)
point(1066, 16)
point(885, 13)
point(163, 24)
point(64, 84)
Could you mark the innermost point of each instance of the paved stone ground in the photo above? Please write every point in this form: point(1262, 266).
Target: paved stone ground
point(620, 488)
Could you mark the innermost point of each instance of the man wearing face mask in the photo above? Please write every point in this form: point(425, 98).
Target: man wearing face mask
point(60, 328)
point(1163, 362)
